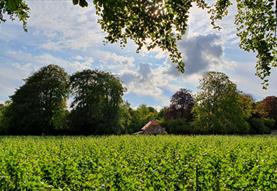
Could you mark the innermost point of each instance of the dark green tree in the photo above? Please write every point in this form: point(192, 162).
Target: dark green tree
point(255, 115)
point(3, 120)
point(96, 102)
point(161, 23)
point(162, 113)
point(125, 117)
point(217, 109)
point(39, 106)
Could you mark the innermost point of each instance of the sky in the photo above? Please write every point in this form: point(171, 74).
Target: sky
point(69, 36)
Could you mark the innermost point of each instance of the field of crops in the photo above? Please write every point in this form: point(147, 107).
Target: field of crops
point(138, 163)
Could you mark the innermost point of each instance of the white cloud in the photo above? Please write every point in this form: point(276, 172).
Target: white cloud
point(111, 57)
point(24, 64)
point(199, 23)
point(28, 62)
point(244, 76)
point(67, 35)
point(9, 80)
point(64, 25)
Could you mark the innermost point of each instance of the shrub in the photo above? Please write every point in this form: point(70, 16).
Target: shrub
point(261, 125)
point(178, 126)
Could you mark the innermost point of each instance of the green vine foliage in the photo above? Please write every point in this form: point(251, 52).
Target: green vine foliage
point(161, 23)
point(139, 163)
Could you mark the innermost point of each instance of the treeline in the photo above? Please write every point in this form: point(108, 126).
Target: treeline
point(96, 107)
point(40, 105)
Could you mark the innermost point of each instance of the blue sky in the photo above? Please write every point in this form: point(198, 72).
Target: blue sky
point(69, 36)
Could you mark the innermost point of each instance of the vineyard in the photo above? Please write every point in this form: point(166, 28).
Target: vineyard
point(139, 163)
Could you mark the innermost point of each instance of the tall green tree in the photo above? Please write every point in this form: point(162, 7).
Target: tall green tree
point(161, 23)
point(217, 108)
point(96, 102)
point(39, 106)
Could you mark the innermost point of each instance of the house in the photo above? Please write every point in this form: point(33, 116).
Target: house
point(152, 128)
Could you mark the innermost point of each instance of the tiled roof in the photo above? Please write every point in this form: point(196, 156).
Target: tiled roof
point(150, 124)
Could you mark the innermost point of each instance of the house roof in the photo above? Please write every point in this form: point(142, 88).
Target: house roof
point(150, 124)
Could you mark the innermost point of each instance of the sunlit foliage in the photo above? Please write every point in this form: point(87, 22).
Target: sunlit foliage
point(161, 23)
point(138, 163)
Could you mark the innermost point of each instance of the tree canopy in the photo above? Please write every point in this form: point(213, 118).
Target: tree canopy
point(142, 115)
point(14, 9)
point(3, 120)
point(161, 23)
point(40, 104)
point(268, 108)
point(217, 108)
point(181, 105)
point(39, 107)
point(96, 102)
point(247, 105)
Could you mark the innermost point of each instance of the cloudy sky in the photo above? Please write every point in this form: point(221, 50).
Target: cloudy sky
point(69, 36)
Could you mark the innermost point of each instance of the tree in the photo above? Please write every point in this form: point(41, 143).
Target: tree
point(3, 121)
point(96, 102)
point(125, 118)
point(181, 105)
point(162, 113)
point(39, 106)
point(217, 108)
point(256, 117)
point(178, 116)
point(268, 108)
point(161, 23)
point(247, 105)
point(142, 115)
point(14, 8)
point(178, 127)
